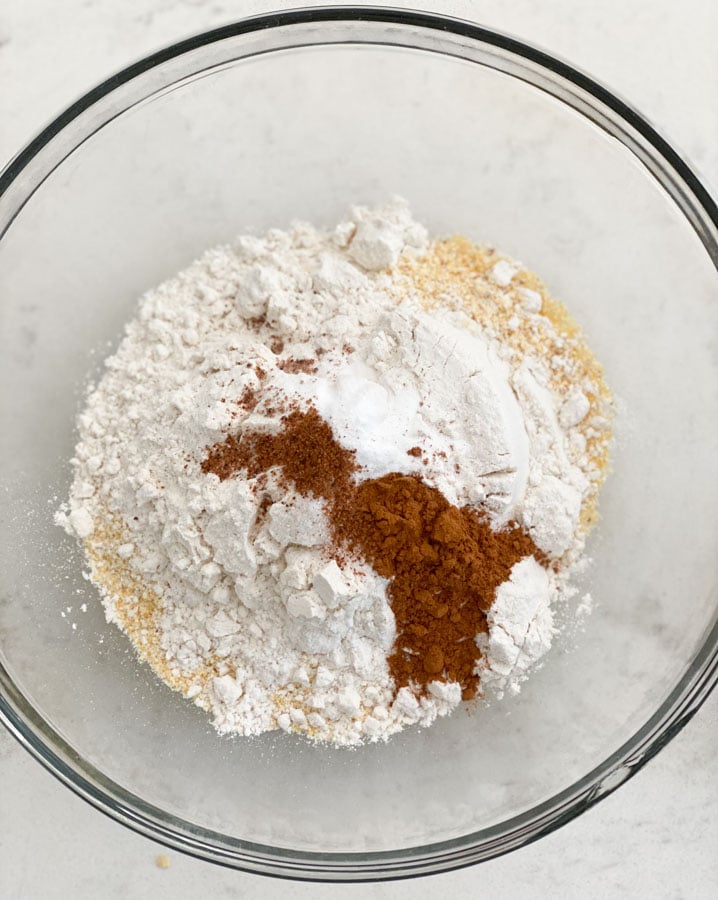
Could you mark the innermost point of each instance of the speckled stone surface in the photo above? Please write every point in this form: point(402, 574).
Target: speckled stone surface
point(655, 837)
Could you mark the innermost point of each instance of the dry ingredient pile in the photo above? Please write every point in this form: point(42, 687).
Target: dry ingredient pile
point(336, 482)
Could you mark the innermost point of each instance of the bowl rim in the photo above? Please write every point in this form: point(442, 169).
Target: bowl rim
point(43, 742)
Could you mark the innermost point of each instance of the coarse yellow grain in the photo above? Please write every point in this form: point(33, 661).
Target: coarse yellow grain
point(455, 273)
point(136, 608)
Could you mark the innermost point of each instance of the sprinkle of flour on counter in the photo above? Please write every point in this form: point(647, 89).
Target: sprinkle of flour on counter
point(436, 360)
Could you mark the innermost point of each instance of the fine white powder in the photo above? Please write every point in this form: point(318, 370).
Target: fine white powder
point(257, 622)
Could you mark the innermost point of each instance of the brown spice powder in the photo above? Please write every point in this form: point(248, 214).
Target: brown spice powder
point(443, 563)
point(298, 366)
point(248, 399)
point(305, 449)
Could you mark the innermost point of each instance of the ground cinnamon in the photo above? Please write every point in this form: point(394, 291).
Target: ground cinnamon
point(444, 565)
point(305, 450)
point(443, 562)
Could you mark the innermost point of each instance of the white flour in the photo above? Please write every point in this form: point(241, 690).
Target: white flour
point(258, 623)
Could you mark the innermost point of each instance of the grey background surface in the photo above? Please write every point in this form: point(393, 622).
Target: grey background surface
point(656, 837)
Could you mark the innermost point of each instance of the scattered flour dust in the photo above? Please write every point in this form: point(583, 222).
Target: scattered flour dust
point(233, 591)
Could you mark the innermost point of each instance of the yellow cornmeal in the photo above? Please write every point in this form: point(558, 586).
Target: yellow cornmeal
point(454, 273)
point(136, 608)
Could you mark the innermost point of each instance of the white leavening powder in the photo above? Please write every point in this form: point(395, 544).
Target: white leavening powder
point(232, 593)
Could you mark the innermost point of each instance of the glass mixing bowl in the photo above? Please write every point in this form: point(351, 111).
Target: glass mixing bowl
point(299, 115)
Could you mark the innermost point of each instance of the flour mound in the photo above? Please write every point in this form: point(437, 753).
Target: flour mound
point(231, 588)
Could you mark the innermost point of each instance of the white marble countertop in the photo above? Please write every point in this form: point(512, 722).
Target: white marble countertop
point(655, 837)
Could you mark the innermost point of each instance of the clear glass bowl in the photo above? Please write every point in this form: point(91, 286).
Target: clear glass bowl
point(298, 115)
